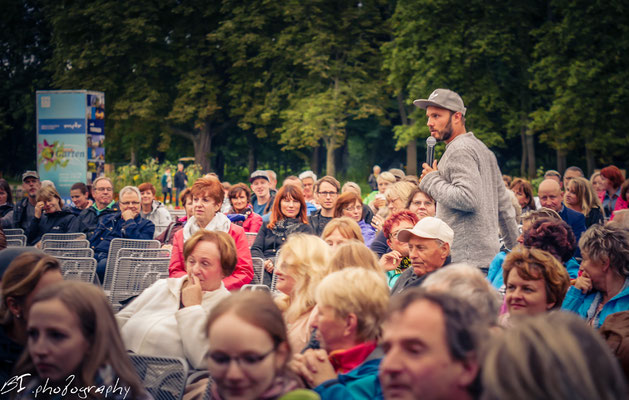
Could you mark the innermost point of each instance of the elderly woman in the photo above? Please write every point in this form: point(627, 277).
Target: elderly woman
point(340, 230)
point(153, 209)
point(207, 197)
point(50, 216)
point(421, 203)
point(603, 289)
point(241, 212)
point(536, 282)
point(581, 197)
point(351, 304)
point(350, 205)
point(288, 216)
point(611, 181)
point(301, 265)
point(398, 196)
point(27, 274)
point(524, 193)
point(167, 319)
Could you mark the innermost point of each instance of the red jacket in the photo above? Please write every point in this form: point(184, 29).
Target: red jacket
point(253, 223)
point(620, 204)
point(243, 273)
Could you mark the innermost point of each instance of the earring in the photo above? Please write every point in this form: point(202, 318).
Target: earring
point(18, 316)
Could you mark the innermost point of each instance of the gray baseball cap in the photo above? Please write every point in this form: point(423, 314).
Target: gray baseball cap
point(30, 174)
point(443, 98)
point(259, 174)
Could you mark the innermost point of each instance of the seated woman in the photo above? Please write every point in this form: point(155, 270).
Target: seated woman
point(301, 265)
point(611, 181)
point(207, 197)
point(376, 199)
point(50, 216)
point(153, 209)
point(25, 276)
point(524, 193)
point(576, 362)
point(248, 328)
point(581, 197)
point(167, 318)
point(241, 212)
point(350, 205)
point(603, 289)
point(536, 282)
point(352, 304)
point(339, 230)
point(397, 260)
point(72, 333)
point(354, 253)
point(288, 216)
point(167, 237)
point(398, 196)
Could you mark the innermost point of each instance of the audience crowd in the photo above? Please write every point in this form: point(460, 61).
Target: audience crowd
point(414, 291)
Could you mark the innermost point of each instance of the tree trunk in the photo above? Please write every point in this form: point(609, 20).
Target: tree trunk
point(411, 147)
point(203, 147)
point(133, 157)
point(524, 153)
point(589, 159)
point(315, 165)
point(561, 160)
point(530, 151)
point(329, 161)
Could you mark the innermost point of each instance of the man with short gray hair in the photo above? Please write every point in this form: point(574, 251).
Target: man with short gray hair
point(104, 205)
point(466, 184)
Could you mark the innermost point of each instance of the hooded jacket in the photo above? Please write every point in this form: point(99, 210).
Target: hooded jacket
point(159, 216)
point(62, 221)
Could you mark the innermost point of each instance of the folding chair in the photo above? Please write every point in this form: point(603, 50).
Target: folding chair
point(13, 231)
point(163, 377)
point(89, 253)
point(132, 275)
point(78, 268)
point(63, 236)
point(16, 240)
point(66, 244)
point(112, 256)
point(258, 270)
point(251, 237)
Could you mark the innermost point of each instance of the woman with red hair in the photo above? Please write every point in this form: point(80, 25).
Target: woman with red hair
point(207, 198)
point(288, 216)
point(611, 180)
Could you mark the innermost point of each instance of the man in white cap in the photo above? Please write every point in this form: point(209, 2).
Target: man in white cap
point(429, 247)
point(466, 184)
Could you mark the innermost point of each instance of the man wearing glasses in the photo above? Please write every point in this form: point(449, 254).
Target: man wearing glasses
point(104, 204)
point(126, 224)
point(326, 191)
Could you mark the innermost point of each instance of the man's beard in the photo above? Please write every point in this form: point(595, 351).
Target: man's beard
point(446, 133)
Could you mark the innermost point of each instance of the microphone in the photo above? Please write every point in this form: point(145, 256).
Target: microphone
point(430, 150)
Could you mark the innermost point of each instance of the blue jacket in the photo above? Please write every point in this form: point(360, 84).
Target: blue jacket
point(495, 274)
point(360, 383)
point(89, 219)
point(581, 304)
point(113, 226)
point(576, 220)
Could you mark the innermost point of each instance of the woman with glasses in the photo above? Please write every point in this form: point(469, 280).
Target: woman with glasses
point(249, 350)
point(349, 204)
point(288, 216)
point(397, 260)
point(167, 319)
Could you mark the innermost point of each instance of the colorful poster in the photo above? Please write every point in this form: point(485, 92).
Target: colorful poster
point(62, 130)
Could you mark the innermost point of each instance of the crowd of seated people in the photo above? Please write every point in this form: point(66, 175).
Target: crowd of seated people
point(359, 298)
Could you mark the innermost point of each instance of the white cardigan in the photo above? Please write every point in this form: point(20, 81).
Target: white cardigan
point(154, 325)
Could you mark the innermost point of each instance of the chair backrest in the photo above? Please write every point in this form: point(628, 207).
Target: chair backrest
point(16, 240)
point(66, 244)
point(144, 253)
point(63, 236)
point(117, 244)
point(251, 237)
point(258, 270)
point(69, 252)
point(78, 268)
point(13, 231)
point(134, 274)
point(163, 377)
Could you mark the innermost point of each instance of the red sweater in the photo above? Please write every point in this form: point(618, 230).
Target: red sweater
point(243, 273)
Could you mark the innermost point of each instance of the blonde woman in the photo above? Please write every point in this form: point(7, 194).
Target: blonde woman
point(301, 265)
point(340, 230)
point(581, 197)
point(397, 196)
point(50, 216)
point(354, 254)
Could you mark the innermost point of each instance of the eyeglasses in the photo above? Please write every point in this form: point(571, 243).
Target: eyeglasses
point(355, 208)
point(221, 361)
point(328, 194)
point(396, 233)
point(104, 189)
point(126, 203)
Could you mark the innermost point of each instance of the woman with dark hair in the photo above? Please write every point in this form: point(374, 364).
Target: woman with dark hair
point(207, 198)
point(50, 216)
point(241, 212)
point(581, 197)
point(349, 204)
point(74, 344)
point(611, 180)
point(6, 199)
point(288, 216)
point(524, 193)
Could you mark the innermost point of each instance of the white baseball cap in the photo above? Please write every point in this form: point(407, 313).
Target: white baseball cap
point(428, 228)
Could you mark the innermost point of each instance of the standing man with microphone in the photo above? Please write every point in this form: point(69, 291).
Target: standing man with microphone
point(466, 184)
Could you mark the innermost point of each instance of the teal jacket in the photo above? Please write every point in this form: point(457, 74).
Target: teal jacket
point(360, 383)
point(582, 304)
point(495, 275)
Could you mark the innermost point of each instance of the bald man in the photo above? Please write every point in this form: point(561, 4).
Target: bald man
point(550, 196)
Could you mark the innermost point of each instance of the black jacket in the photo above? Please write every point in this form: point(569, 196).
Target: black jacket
point(180, 180)
point(88, 220)
point(58, 222)
point(269, 241)
point(20, 217)
point(318, 222)
point(5, 208)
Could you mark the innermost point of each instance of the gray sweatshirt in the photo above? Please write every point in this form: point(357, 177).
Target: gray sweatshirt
point(472, 199)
